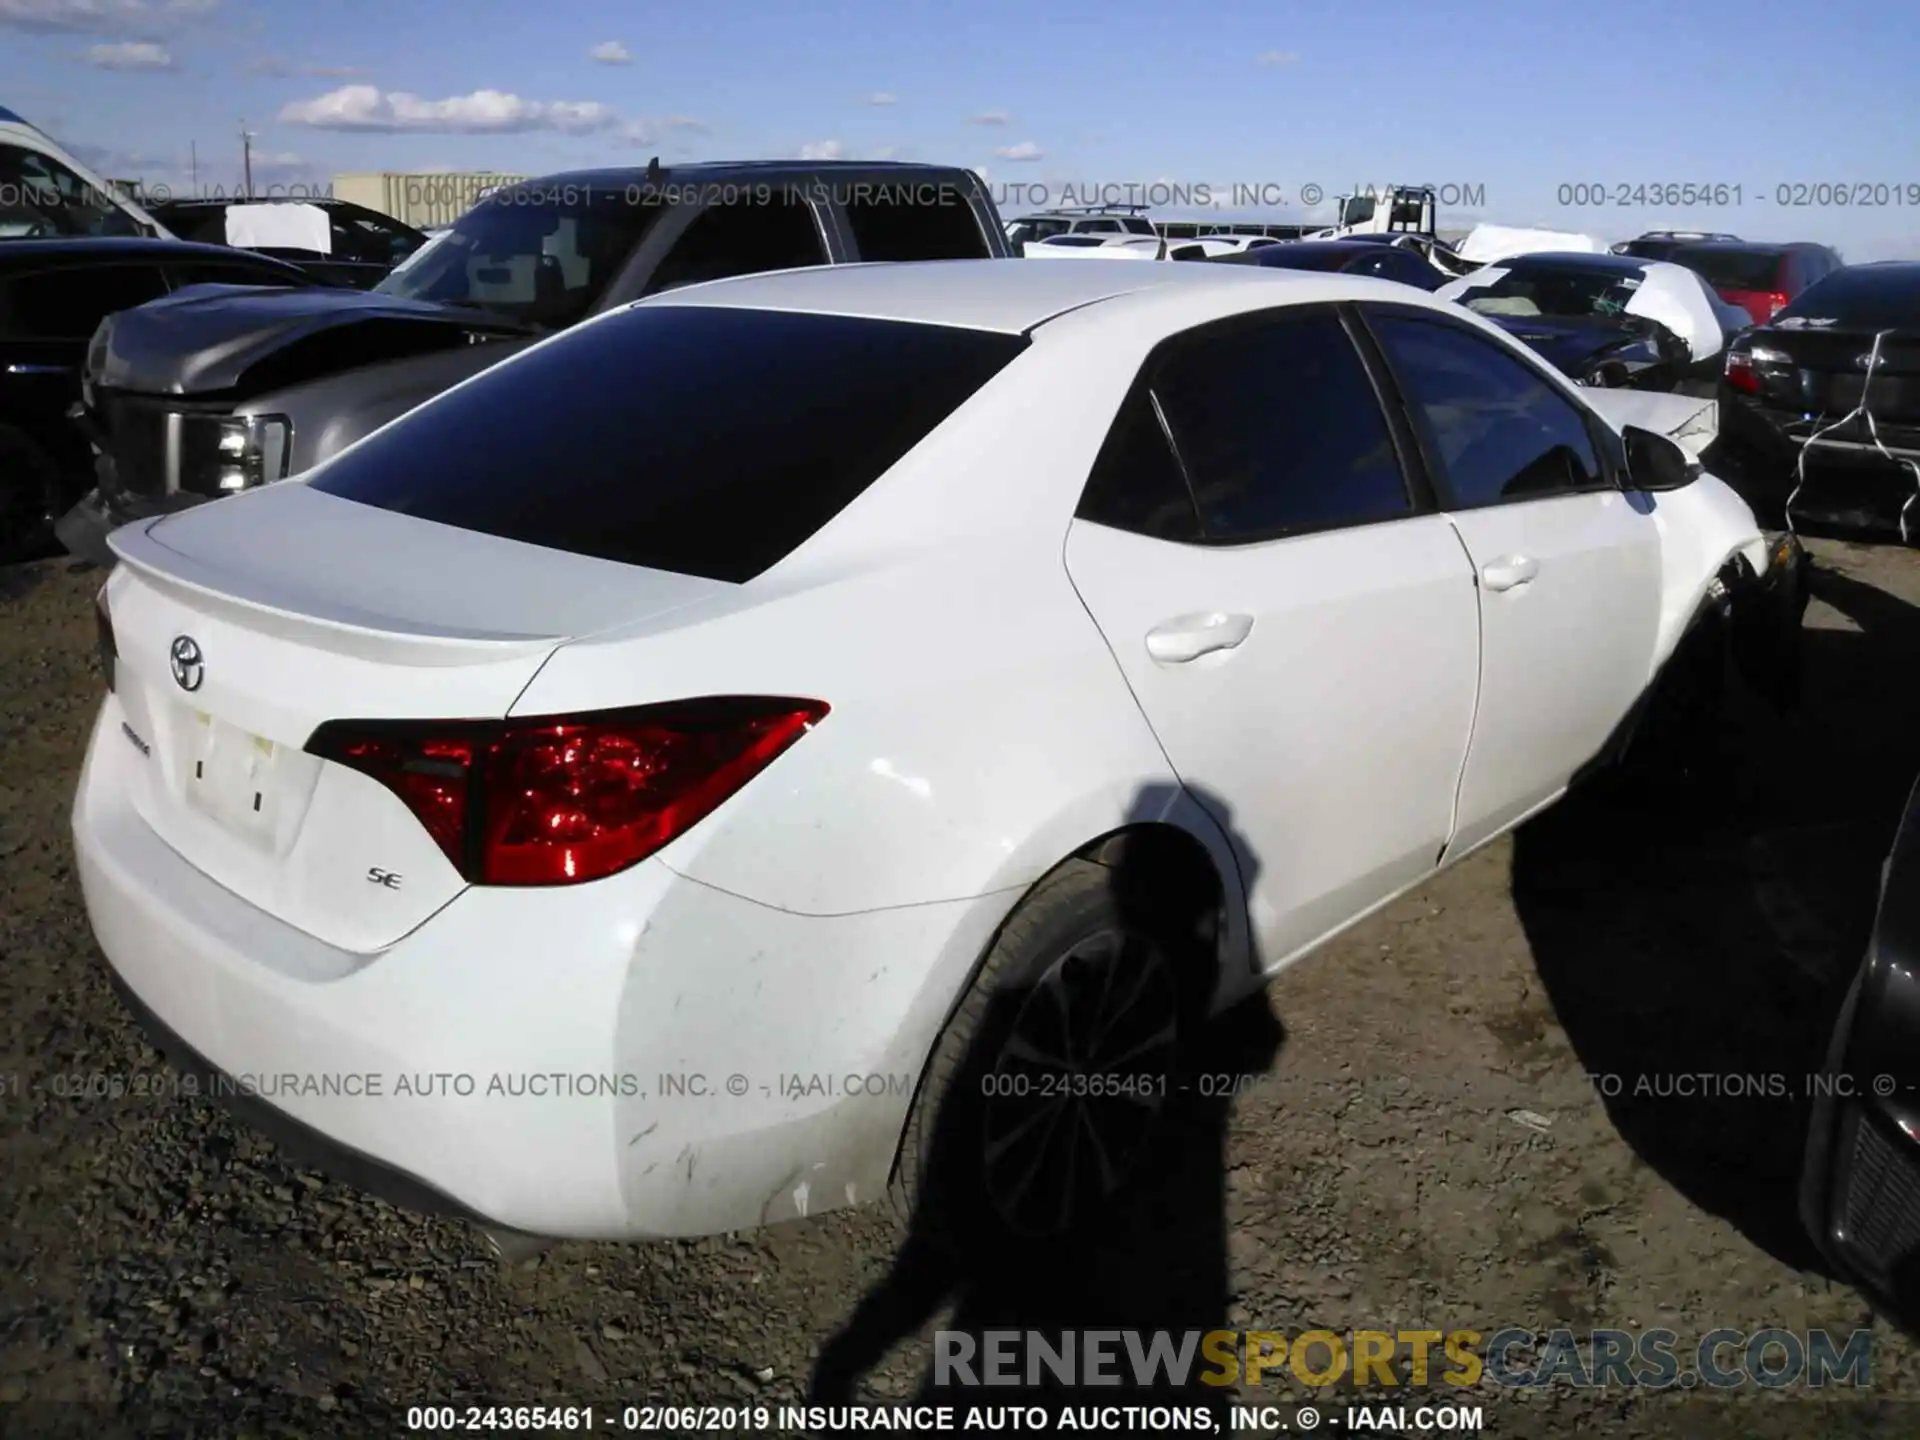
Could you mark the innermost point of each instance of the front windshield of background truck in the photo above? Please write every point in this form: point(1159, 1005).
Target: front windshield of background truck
point(540, 253)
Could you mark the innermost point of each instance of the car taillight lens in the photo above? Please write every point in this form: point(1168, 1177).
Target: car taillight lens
point(564, 799)
point(1741, 374)
point(1776, 302)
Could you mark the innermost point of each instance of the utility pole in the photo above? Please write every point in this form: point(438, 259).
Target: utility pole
point(193, 165)
point(246, 157)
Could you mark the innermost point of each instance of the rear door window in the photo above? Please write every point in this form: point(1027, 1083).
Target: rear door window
point(914, 222)
point(1280, 429)
point(776, 231)
point(704, 440)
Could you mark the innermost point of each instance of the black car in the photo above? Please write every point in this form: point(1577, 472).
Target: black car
point(1573, 309)
point(1860, 1186)
point(1834, 378)
point(53, 295)
point(363, 245)
point(1660, 244)
point(198, 396)
point(1761, 279)
point(1346, 257)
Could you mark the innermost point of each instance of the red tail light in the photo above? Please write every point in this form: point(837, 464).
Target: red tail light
point(1776, 301)
point(563, 799)
point(1741, 374)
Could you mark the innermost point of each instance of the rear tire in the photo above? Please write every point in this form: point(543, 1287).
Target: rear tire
point(1046, 1089)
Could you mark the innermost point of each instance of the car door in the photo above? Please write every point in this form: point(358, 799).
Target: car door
point(1297, 623)
point(1568, 562)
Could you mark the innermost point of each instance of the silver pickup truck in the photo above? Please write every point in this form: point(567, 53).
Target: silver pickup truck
point(221, 388)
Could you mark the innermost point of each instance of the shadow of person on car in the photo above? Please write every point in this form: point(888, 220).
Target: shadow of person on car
point(1696, 944)
point(1152, 1257)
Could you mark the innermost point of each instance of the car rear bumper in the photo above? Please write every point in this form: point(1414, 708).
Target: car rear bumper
point(1851, 477)
point(643, 1056)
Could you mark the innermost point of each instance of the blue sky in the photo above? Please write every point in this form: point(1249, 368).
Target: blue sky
point(1510, 101)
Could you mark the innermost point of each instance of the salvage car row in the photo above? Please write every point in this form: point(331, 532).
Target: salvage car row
point(620, 601)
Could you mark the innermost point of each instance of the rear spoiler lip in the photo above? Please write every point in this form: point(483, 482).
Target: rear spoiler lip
point(362, 634)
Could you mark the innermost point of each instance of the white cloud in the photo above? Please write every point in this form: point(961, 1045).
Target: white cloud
point(883, 97)
point(823, 150)
point(485, 112)
point(1025, 150)
point(991, 117)
point(1278, 57)
point(100, 17)
point(611, 52)
point(130, 55)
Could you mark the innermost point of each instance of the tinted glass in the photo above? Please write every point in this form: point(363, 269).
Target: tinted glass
point(528, 254)
point(40, 196)
point(1862, 297)
point(1280, 429)
point(70, 304)
point(1139, 226)
point(1732, 269)
point(1498, 431)
point(745, 238)
point(706, 441)
point(1136, 482)
point(914, 222)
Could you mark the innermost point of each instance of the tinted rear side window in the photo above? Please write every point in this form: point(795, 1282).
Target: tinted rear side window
point(914, 222)
point(705, 441)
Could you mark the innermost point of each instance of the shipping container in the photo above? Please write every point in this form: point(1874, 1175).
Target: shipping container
point(422, 200)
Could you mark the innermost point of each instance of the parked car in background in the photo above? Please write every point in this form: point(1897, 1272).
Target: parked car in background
point(53, 296)
point(1343, 257)
point(338, 242)
point(1078, 220)
point(1660, 244)
point(1610, 321)
point(259, 387)
point(46, 192)
point(838, 822)
point(1860, 1185)
point(1760, 279)
point(1820, 408)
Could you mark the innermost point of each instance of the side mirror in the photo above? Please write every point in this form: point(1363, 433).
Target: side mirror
point(1655, 462)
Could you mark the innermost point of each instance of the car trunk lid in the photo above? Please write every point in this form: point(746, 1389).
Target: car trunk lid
point(1825, 374)
point(241, 627)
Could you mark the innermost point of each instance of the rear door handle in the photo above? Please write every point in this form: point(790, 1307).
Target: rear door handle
point(1190, 636)
point(1509, 572)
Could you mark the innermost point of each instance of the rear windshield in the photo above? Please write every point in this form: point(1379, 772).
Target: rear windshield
point(1287, 257)
point(702, 440)
point(1527, 291)
point(1731, 269)
point(1862, 297)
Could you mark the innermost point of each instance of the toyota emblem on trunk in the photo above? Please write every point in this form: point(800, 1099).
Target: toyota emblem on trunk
point(189, 669)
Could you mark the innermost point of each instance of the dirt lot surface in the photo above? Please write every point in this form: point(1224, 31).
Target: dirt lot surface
point(1422, 1146)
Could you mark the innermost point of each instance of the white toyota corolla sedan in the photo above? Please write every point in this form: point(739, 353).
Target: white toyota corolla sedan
point(840, 731)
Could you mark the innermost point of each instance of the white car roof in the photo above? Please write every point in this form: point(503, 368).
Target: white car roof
point(1014, 296)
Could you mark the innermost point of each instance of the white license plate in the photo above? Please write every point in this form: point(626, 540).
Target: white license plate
point(231, 775)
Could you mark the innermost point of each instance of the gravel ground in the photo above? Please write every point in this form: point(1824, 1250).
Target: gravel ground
point(1422, 1146)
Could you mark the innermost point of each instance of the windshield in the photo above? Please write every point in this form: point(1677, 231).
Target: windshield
point(1558, 294)
point(1136, 225)
point(40, 196)
point(1306, 257)
point(541, 255)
